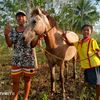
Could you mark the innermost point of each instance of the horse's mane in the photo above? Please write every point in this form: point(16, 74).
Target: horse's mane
point(51, 19)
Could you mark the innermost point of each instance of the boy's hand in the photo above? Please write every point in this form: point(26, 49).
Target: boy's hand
point(98, 52)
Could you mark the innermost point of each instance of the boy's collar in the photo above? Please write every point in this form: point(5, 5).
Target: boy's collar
point(86, 39)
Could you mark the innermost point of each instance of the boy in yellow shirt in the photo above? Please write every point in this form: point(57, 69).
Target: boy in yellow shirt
point(88, 50)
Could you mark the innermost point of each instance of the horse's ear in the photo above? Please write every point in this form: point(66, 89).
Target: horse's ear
point(43, 16)
point(40, 12)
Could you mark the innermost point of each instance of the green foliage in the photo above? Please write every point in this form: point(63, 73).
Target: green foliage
point(71, 15)
point(9, 8)
point(43, 96)
point(87, 92)
point(86, 12)
point(74, 14)
point(5, 52)
point(82, 95)
point(40, 3)
point(97, 37)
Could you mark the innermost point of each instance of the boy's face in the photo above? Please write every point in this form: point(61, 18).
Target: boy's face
point(21, 19)
point(86, 31)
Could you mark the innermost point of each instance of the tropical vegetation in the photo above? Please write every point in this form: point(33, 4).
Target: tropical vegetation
point(70, 15)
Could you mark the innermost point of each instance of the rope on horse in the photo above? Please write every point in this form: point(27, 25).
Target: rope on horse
point(59, 58)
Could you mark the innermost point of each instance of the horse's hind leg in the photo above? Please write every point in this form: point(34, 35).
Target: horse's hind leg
point(74, 67)
point(52, 72)
point(62, 79)
point(66, 66)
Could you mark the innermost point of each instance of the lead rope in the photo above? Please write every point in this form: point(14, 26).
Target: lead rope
point(59, 58)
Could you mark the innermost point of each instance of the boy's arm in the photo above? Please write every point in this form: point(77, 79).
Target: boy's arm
point(97, 51)
point(96, 48)
point(7, 30)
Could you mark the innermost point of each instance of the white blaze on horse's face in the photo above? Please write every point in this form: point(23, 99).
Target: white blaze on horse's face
point(40, 25)
point(35, 25)
point(28, 35)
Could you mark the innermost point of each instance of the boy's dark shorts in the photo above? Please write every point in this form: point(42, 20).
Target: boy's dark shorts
point(90, 76)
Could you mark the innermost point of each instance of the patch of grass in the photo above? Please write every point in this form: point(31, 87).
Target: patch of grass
point(43, 96)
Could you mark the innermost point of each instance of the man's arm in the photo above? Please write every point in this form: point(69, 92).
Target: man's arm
point(35, 42)
point(7, 30)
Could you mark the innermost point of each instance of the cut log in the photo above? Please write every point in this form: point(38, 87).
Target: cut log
point(70, 53)
point(72, 37)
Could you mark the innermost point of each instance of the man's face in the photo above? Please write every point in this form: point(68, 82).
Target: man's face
point(21, 19)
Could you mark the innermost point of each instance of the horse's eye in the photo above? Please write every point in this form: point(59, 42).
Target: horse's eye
point(34, 22)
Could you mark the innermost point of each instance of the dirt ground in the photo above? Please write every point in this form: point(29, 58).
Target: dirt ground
point(76, 89)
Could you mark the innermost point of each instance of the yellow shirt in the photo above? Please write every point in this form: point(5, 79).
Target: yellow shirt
point(86, 52)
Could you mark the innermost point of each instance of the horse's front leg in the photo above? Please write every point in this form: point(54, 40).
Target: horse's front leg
point(52, 72)
point(62, 79)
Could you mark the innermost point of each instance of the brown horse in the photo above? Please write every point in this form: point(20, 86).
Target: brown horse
point(43, 24)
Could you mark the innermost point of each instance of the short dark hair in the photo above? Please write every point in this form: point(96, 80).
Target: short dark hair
point(87, 25)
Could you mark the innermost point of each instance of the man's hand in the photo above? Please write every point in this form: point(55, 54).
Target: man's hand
point(7, 29)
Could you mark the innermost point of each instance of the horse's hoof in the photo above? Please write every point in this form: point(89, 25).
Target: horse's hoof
point(51, 96)
point(63, 97)
point(52, 93)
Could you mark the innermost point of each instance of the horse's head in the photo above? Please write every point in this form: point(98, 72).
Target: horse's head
point(38, 24)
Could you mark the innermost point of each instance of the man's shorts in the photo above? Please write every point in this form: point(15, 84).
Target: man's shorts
point(22, 71)
point(92, 75)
